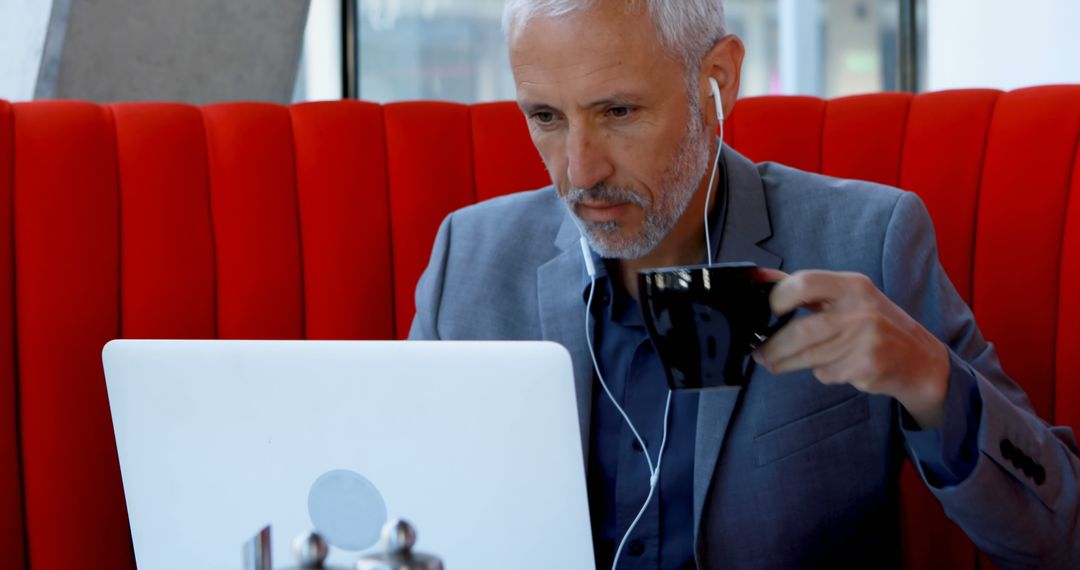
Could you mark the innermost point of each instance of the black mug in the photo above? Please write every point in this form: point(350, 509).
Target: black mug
point(705, 320)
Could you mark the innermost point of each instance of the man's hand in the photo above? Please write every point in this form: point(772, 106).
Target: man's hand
point(857, 336)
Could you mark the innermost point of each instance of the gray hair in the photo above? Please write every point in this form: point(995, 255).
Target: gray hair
point(687, 28)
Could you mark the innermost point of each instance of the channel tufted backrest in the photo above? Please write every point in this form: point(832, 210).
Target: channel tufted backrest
point(156, 220)
point(314, 221)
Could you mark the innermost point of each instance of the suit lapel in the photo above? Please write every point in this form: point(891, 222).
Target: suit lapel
point(745, 227)
point(747, 223)
point(562, 316)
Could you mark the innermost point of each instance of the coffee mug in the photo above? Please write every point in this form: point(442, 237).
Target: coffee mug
point(705, 320)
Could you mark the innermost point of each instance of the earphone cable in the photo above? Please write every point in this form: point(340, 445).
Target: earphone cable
point(600, 376)
point(654, 472)
point(708, 195)
point(653, 482)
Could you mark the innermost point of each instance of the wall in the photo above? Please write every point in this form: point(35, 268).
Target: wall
point(195, 51)
point(1003, 44)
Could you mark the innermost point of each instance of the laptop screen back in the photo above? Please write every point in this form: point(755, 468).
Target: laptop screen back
point(475, 443)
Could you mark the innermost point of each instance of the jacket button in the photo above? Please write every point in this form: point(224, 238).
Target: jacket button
point(636, 548)
point(1039, 475)
point(1007, 449)
point(1028, 467)
point(637, 445)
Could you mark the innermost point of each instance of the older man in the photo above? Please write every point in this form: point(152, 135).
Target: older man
point(799, 468)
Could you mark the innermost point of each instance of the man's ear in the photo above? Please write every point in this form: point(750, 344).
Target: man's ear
point(723, 63)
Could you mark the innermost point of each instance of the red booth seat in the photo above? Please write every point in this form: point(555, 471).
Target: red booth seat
point(315, 221)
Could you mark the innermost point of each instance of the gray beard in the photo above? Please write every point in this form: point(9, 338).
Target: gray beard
point(677, 188)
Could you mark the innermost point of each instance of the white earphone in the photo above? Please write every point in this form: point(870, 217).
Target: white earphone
point(590, 268)
point(719, 102)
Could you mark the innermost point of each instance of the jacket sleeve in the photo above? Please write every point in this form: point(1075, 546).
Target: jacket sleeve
point(429, 289)
point(1020, 502)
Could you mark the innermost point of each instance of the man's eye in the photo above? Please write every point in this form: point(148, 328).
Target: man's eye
point(544, 117)
point(619, 112)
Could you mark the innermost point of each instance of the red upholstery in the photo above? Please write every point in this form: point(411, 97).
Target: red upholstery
point(953, 125)
point(314, 221)
point(340, 149)
point(67, 279)
point(1028, 167)
point(1067, 388)
point(780, 129)
point(256, 221)
point(504, 158)
point(167, 274)
point(429, 161)
point(851, 148)
point(11, 508)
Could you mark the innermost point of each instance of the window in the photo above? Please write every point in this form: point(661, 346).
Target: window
point(453, 50)
point(319, 76)
point(23, 26)
point(827, 48)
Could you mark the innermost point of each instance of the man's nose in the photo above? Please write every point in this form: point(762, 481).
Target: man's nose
point(587, 162)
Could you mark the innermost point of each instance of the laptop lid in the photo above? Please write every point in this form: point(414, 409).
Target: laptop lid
point(476, 443)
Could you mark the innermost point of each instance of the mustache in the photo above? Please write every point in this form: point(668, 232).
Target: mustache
point(604, 193)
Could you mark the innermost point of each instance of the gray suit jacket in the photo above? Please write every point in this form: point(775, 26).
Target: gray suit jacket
point(788, 472)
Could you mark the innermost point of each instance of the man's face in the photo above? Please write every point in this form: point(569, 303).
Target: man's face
point(608, 109)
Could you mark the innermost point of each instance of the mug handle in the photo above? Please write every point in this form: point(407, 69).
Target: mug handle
point(760, 337)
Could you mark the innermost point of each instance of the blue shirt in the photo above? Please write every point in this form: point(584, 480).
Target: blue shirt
point(618, 473)
point(618, 476)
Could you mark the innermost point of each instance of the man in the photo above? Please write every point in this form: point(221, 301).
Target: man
point(800, 467)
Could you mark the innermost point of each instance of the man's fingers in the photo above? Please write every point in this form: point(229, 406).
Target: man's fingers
point(769, 275)
point(833, 355)
point(801, 334)
point(807, 288)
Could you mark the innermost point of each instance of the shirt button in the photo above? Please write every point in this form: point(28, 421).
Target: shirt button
point(637, 445)
point(636, 548)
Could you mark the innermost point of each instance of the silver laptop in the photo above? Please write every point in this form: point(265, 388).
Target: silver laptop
point(476, 443)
